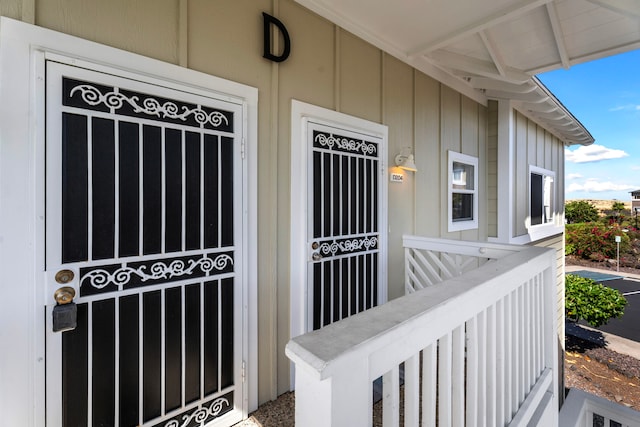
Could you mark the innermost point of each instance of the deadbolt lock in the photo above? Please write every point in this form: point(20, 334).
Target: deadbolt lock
point(315, 245)
point(64, 276)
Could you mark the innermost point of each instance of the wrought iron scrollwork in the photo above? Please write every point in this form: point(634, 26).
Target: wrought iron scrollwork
point(348, 245)
point(100, 278)
point(116, 100)
point(201, 415)
point(347, 144)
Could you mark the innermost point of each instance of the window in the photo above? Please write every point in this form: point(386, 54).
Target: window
point(463, 192)
point(541, 196)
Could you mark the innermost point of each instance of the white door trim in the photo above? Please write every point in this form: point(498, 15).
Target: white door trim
point(300, 114)
point(23, 49)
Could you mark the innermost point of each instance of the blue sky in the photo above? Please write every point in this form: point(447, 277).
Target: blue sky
point(604, 95)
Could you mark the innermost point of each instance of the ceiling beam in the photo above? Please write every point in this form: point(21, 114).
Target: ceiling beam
point(494, 52)
point(505, 15)
point(479, 67)
point(558, 35)
point(623, 7)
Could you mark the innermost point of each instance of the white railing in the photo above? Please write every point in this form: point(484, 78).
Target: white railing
point(429, 261)
point(582, 409)
point(479, 349)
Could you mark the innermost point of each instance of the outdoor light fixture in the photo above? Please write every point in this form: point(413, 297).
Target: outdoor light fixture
point(406, 161)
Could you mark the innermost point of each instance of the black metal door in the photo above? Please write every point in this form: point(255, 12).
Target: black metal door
point(344, 220)
point(142, 214)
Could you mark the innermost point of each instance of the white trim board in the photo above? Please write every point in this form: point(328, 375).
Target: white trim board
point(23, 50)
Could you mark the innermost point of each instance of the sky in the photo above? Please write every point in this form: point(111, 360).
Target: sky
point(604, 95)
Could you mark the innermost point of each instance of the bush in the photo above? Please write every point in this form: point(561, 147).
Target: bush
point(580, 211)
point(595, 303)
point(595, 241)
point(569, 249)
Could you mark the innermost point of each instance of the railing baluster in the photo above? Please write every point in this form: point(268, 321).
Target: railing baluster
point(391, 398)
point(482, 372)
point(444, 381)
point(412, 391)
point(491, 365)
point(457, 377)
point(512, 331)
point(429, 383)
point(500, 362)
point(472, 372)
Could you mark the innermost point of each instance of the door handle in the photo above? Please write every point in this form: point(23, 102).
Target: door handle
point(64, 295)
point(316, 256)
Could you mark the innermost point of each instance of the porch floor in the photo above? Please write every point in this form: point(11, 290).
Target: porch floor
point(277, 413)
point(281, 413)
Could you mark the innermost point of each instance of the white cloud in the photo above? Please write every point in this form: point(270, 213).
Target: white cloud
point(593, 153)
point(575, 176)
point(594, 186)
point(627, 107)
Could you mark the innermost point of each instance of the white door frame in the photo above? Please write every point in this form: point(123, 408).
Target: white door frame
point(300, 114)
point(23, 50)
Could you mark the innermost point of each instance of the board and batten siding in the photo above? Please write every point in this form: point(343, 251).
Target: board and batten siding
point(557, 243)
point(535, 146)
point(328, 67)
point(492, 169)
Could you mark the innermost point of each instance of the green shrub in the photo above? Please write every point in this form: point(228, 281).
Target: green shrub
point(580, 211)
point(569, 249)
point(595, 303)
point(595, 241)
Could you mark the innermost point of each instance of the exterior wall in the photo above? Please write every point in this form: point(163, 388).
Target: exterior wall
point(492, 169)
point(557, 243)
point(535, 146)
point(328, 67)
point(446, 120)
point(635, 201)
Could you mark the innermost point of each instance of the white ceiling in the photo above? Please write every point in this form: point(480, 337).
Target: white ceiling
point(494, 48)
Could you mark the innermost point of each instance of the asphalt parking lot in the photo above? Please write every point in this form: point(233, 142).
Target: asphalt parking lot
point(627, 326)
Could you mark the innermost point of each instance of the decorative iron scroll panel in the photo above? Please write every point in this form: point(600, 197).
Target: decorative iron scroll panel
point(142, 204)
point(344, 229)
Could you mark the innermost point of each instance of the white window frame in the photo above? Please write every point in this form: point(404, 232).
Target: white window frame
point(470, 224)
point(535, 170)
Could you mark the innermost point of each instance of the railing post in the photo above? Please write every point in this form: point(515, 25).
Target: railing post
point(551, 329)
point(344, 399)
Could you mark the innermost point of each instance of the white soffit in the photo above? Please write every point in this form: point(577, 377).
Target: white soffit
point(478, 45)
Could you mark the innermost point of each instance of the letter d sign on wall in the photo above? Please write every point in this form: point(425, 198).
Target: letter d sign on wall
point(268, 22)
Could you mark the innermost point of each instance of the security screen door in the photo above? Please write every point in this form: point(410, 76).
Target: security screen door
point(143, 220)
point(344, 235)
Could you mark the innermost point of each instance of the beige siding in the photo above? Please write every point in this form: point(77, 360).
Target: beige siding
point(535, 146)
point(492, 169)
point(398, 115)
point(11, 8)
point(557, 243)
point(523, 153)
point(128, 25)
point(431, 178)
point(328, 67)
point(359, 88)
